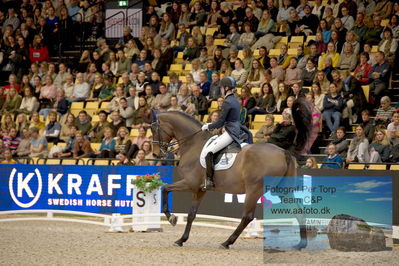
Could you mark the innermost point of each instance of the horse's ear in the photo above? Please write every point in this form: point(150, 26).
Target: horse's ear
point(153, 116)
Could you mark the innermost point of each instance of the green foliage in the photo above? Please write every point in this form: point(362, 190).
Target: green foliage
point(147, 183)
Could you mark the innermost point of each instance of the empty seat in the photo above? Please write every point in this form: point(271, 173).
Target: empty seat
point(356, 166)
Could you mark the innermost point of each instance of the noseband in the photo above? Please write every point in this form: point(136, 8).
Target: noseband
point(163, 146)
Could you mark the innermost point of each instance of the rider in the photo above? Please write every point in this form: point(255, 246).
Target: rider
point(230, 119)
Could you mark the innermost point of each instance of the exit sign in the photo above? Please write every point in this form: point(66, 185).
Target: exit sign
point(122, 3)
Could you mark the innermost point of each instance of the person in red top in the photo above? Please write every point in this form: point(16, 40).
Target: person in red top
point(37, 51)
point(362, 70)
point(12, 79)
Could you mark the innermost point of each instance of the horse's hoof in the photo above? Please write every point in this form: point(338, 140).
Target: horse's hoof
point(223, 246)
point(303, 243)
point(173, 220)
point(178, 244)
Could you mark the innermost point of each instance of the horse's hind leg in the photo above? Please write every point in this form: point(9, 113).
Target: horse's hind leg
point(249, 214)
point(196, 201)
point(178, 186)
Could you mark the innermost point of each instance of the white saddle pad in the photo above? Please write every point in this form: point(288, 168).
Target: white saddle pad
point(225, 162)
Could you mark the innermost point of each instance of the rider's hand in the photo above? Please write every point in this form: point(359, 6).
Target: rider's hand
point(204, 127)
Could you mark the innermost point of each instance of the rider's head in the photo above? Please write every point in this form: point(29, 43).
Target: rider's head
point(227, 84)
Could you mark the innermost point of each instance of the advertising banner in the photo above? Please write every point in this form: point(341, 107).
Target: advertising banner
point(85, 188)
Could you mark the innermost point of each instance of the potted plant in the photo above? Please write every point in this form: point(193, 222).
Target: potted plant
point(148, 183)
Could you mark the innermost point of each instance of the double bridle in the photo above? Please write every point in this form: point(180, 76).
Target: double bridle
point(164, 146)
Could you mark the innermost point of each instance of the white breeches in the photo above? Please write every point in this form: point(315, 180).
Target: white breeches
point(219, 143)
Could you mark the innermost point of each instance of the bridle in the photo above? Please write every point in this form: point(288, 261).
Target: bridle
point(164, 146)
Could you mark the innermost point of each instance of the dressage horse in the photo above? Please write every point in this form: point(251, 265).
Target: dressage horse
point(253, 163)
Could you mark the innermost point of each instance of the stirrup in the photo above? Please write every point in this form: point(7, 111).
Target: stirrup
point(209, 185)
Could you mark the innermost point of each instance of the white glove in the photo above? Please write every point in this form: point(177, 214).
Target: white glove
point(205, 127)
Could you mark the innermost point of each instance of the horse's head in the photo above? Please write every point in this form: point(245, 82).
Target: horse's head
point(162, 134)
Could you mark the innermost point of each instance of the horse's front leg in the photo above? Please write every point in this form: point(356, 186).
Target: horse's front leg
point(196, 201)
point(180, 185)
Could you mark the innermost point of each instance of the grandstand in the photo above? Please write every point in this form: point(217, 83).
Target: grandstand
point(72, 96)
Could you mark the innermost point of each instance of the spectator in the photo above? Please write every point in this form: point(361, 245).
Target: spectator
point(141, 116)
point(374, 32)
point(388, 45)
point(314, 127)
point(348, 59)
point(331, 53)
point(200, 102)
point(214, 90)
point(66, 127)
point(264, 133)
point(60, 105)
point(83, 122)
point(23, 149)
point(359, 28)
point(140, 158)
point(393, 129)
point(333, 159)
point(68, 87)
point(133, 99)
point(117, 121)
point(292, 73)
point(332, 106)
point(384, 7)
point(82, 148)
point(247, 38)
point(123, 64)
point(37, 51)
point(380, 148)
point(266, 24)
point(8, 158)
point(122, 142)
point(21, 123)
point(107, 148)
point(141, 138)
point(204, 84)
point(358, 148)
point(265, 103)
point(126, 112)
point(191, 51)
point(11, 141)
point(162, 100)
point(124, 159)
point(38, 147)
point(284, 133)
point(281, 99)
point(341, 142)
point(310, 163)
point(53, 128)
point(363, 69)
point(384, 113)
point(81, 89)
point(239, 73)
point(12, 103)
point(173, 104)
point(36, 122)
point(308, 73)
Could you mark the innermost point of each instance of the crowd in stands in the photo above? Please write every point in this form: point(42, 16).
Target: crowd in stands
point(340, 55)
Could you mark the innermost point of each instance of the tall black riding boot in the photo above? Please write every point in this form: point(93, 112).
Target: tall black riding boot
point(209, 171)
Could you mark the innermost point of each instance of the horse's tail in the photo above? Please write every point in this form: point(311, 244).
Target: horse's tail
point(302, 115)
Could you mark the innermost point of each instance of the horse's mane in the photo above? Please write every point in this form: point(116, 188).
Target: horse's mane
point(191, 118)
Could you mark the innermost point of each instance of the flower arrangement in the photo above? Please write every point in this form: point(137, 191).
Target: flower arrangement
point(148, 183)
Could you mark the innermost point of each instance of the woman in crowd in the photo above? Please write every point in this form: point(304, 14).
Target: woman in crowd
point(264, 133)
point(347, 59)
point(331, 52)
point(308, 73)
point(362, 70)
point(36, 122)
point(281, 99)
point(141, 116)
point(239, 73)
point(256, 74)
point(292, 73)
point(318, 96)
point(82, 147)
point(248, 100)
point(388, 45)
point(380, 148)
point(265, 103)
point(332, 105)
point(66, 127)
point(12, 102)
point(266, 24)
point(122, 142)
point(358, 147)
point(141, 138)
point(107, 148)
point(52, 129)
point(323, 81)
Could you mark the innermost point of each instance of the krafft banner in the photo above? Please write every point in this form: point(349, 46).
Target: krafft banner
point(86, 188)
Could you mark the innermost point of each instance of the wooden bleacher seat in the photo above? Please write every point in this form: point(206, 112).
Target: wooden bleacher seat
point(258, 122)
point(211, 31)
point(274, 52)
point(176, 68)
point(394, 167)
point(219, 42)
point(53, 161)
point(356, 166)
point(166, 79)
point(68, 162)
point(297, 39)
point(377, 167)
point(366, 90)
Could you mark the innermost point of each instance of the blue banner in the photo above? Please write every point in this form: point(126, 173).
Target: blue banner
point(86, 188)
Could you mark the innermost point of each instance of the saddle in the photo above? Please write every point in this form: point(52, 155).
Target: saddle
point(232, 148)
point(223, 159)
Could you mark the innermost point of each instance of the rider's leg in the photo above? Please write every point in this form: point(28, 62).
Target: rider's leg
point(218, 144)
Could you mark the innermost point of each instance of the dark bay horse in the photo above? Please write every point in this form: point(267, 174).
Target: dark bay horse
point(253, 163)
